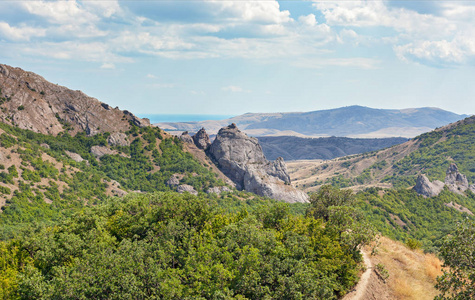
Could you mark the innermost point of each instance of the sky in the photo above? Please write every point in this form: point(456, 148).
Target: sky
point(233, 57)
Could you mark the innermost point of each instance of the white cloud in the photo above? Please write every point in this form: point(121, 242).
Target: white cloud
point(370, 13)
point(234, 89)
point(443, 52)
point(60, 12)
point(24, 33)
point(308, 20)
point(267, 12)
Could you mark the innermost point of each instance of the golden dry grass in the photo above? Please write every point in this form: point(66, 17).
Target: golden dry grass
point(412, 274)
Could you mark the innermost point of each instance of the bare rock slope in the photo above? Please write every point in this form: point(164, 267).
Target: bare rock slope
point(240, 157)
point(29, 101)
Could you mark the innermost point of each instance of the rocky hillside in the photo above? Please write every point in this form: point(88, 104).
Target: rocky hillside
point(399, 166)
point(352, 121)
point(296, 148)
point(28, 101)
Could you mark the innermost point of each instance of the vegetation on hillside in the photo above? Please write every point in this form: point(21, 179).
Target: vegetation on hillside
point(45, 173)
point(403, 215)
point(458, 252)
point(178, 246)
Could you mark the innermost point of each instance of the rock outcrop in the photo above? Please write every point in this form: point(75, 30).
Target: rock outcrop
point(240, 157)
point(455, 181)
point(426, 188)
point(185, 188)
point(30, 102)
point(185, 137)
point(100, 151)
point(74, 156)
point(218, 190)
point(118, 139)
point(201, 139)
point(174, 180)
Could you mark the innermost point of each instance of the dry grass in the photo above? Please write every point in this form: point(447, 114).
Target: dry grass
point(412, 274)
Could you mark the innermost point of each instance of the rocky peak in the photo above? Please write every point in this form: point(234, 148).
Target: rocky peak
point(31, 102)
point(426, 188)
point(185, 137)
point(456, 181)
point(201, 139)
point(240, 157)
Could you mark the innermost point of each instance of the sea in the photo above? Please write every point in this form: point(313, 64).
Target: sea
point(160, 118)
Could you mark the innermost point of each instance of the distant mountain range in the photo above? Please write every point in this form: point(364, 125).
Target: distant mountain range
point(297, 148)
point(351, 121)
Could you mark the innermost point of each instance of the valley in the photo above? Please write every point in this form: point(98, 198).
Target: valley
point(190, 205)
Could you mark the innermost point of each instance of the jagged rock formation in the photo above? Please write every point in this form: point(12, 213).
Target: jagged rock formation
point(241, 159)
point(118, 139)
point(201, 139)
point(455, 181)
point(30, 102)
point(426, 188)
point(185, 137)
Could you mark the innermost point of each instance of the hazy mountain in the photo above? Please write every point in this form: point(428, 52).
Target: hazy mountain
point(351, 121)
point(295, 148)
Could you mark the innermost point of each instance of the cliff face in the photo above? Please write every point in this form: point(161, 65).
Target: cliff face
point(30, 102)
point(241, 159)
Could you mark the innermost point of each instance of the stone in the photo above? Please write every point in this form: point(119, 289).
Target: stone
point(185, 137)
point(472, 188)
point(173, 181)
point(100, 151)
point(455, 181)
point(426, 188)
point(185, 188)
point(218, 190)
point(74, 156)
point(240, 158)
point(118, 139)
point(201, 139)
point(44, 145)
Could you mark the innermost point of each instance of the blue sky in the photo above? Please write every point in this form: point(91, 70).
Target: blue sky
point(233, 57)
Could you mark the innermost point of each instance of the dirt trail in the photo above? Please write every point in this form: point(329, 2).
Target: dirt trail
point(359, 291)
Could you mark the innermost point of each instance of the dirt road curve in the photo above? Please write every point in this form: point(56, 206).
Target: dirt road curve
point(358, 292)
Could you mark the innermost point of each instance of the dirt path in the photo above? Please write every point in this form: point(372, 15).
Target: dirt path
point(359, 291)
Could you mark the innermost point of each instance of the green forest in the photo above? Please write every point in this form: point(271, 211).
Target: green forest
point(166, 245)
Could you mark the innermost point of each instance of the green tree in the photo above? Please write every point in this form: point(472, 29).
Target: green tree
point(326, 197)
point(458, 252)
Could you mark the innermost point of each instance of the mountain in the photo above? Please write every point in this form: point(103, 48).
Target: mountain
point(28, 101)
point(351, 121)
point(399, 166)
point(296, 148)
